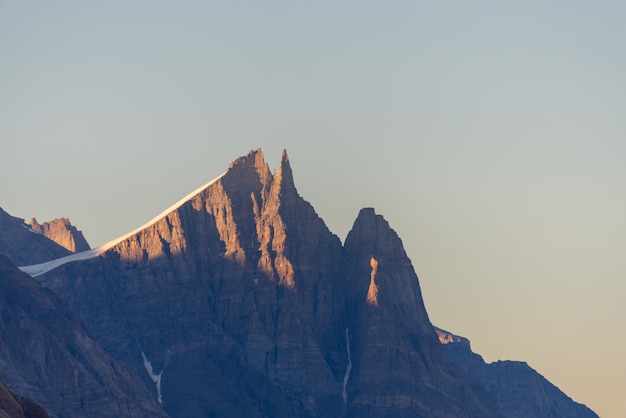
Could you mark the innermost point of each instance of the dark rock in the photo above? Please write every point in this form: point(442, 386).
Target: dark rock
point(16, 406)
point(399, 367)
point(521, 391)
point(25, 246)
point(47, 355)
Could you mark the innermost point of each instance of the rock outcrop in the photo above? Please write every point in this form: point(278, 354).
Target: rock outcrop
point(16, 406)
point(23, 245)
point(521, 391)
point(62, 232)
point(47, 355)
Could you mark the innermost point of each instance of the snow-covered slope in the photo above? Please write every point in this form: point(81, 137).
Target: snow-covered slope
point(39, 269)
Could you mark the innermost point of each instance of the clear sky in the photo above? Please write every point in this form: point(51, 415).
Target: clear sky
point(491, 135)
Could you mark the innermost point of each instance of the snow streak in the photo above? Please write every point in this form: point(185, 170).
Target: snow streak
point(346, 377)
point(156, 378)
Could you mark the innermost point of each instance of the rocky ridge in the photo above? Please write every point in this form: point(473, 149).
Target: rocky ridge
point(25, 246)
point(62, 232)
point(521, 391)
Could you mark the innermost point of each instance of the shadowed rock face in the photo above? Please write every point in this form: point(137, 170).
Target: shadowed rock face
point(16, 406)
point(521, 391)
point(399, 367)
point(62, 232)
point(241, 302)
point(24, 246)
point(46, 355)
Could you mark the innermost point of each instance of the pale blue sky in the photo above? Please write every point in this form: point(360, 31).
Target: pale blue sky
point(492, 136)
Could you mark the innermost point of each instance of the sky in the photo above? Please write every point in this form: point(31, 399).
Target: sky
point(491, 135)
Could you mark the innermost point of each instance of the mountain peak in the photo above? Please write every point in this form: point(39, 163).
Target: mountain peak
point(284, 174)
point(252, 158)
point(61, 231)
point(375, 233)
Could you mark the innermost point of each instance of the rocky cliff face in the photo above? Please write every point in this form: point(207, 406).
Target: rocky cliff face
point(62, 232)
point(521, 391)
point(46, 355)
point(241, 302)
point(245, 276)
point(24, 246)
point(399, 367)
point(16, 406)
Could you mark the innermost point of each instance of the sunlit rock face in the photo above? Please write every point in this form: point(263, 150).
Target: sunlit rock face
point(241, 303)
point(521, 391)
point(62, 232)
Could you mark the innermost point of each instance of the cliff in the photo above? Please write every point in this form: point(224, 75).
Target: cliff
point(62, 232)
point(23, 245)
point(47, 355)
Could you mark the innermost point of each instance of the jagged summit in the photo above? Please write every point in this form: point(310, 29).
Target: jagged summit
point(285, 173)
point(246, 176)
point(61, 231)
point(23, 245)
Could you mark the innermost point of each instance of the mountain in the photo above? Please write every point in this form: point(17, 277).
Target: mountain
point(47, 355)
point(239, 301)
point(23, 245)
point(520, 390)
point(62, 232)
point(398, 362)
point(242, 294)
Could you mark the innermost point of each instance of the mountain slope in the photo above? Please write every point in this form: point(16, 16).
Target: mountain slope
point(46, 354)
point(520, 390)
point(399, 367)
point(16, 406)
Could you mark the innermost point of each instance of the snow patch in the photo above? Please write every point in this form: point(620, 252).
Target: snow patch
point(156, 378)
point(30, 229)
point(346, 377)
point(39, 269)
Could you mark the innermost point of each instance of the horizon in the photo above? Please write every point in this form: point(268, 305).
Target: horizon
point(489, 136)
